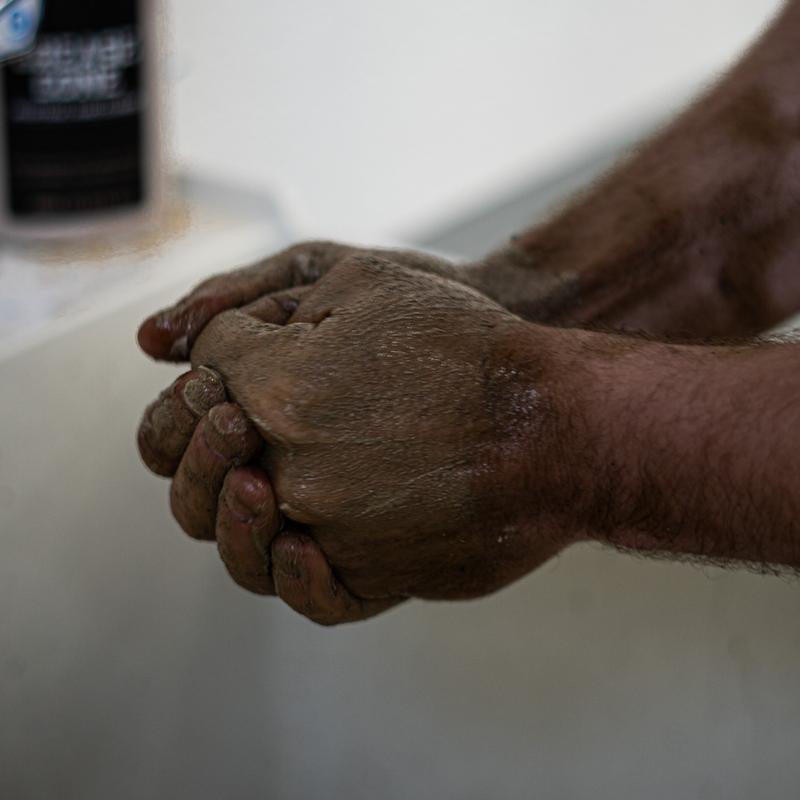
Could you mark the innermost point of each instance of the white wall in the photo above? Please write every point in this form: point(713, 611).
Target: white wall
point(381, 116)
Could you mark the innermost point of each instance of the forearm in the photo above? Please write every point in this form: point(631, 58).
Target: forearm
point(697, 233)
point(694, 450)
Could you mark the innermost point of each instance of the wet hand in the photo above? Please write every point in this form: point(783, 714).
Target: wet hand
point(398, 428)
point(170, 334)
point(206, 444)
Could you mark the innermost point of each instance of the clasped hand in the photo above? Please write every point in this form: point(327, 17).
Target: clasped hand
point(356, 430)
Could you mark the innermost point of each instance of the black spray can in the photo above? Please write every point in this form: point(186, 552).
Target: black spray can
point(79, 129)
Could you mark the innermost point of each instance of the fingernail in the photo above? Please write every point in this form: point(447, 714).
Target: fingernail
point(201, 394)
point(227, 420)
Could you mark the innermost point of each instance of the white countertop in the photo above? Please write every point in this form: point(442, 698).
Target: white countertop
point(49, 288)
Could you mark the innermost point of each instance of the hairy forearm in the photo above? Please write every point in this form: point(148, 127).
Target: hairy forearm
point(697, 233)
point(694, 450)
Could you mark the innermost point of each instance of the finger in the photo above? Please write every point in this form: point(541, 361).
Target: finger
point(305, 582)
point(223, 439)
point(277, 308)
point(247, 521)
point(236, 345)
point(168, 423)
point(351, 276)
point(170, 334)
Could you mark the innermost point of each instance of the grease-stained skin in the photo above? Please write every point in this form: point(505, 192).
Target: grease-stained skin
point(695, 236)
point(393, 419)
point(432, 444)
point(171, 334)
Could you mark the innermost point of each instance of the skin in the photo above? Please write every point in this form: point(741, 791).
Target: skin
point(702, 461)
point(456, 447)
point(393, 451)
point(693, 236)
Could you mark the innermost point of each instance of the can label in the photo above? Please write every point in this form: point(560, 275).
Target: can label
point(19, 21)
point(74, 113)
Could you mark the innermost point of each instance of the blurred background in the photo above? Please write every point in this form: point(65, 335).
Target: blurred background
point(383, 118)
point(131, 667)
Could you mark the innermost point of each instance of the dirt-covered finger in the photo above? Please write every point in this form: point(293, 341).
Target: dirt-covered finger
point(223, 439)
point(247, 521)
point(306, 583)
point(169, 422)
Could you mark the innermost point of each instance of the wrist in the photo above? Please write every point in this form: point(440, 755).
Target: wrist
point(609, 438)
point(645, 446)
point(644, 412)
point(545, 448)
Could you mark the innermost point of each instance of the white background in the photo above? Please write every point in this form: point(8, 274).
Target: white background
point(378, 117)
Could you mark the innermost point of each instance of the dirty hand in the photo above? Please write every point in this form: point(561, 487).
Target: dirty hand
point(212, 494)
point(407, 430)
point(170, 334)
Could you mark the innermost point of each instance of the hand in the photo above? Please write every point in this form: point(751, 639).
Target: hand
point(400, 429)
point(190, 433)
point(173, 437)
point(170, 334)
point(208, 484)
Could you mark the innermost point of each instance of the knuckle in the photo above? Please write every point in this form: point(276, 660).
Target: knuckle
point(297, 490)
point(284, 411)
point(219, 342)
point(274, 309)
point(360, 266)
point(297, 504)
point(308, 260)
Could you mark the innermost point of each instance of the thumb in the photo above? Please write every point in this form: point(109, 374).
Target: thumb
point(170, 334)
point(228, 342)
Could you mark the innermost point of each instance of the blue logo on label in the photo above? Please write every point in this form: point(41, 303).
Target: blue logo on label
point(19, 22)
